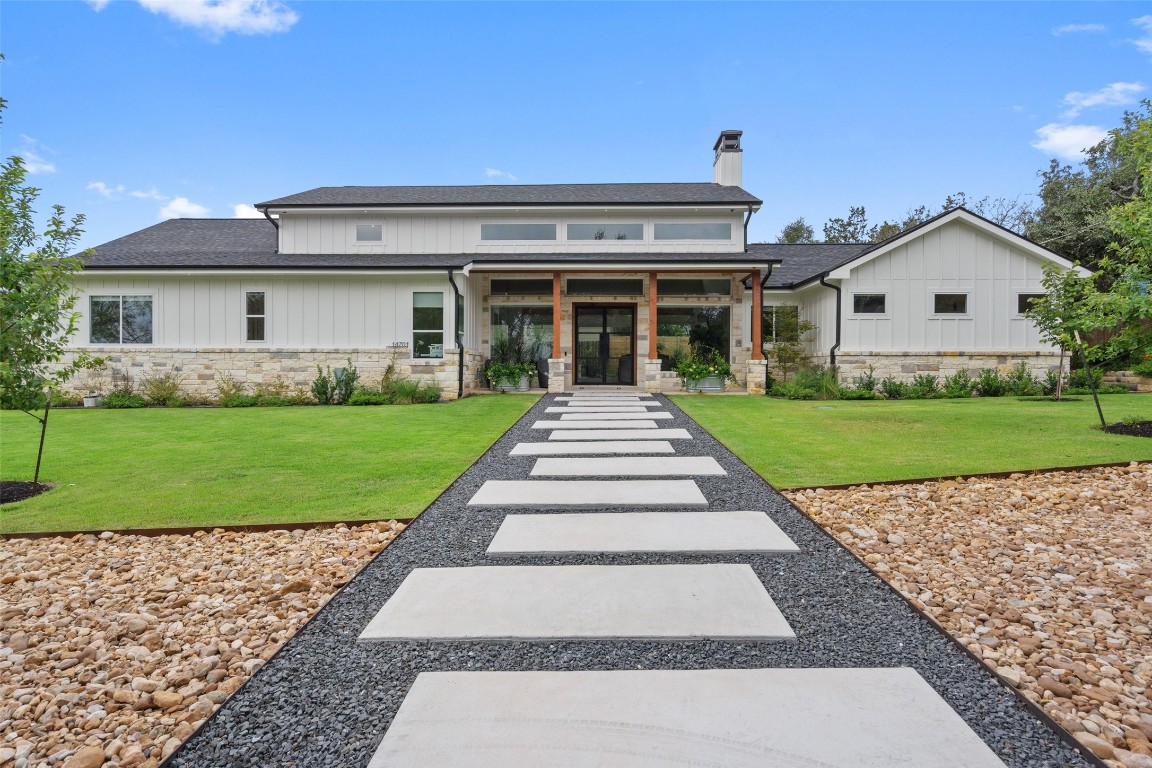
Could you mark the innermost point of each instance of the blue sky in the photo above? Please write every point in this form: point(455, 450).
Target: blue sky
point(134, 110)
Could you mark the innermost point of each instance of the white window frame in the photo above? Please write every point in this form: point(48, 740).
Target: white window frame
point(644, 229)
point(480, 232)
point(731, 233)
point(852, 306)
point(88, 316)
point(775, 305)
point(1016, 313)
point(442, 330)
point(934, 315)
point(245, 316)
point(367, 243)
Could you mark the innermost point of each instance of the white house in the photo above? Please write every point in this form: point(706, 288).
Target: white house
point(616, 278)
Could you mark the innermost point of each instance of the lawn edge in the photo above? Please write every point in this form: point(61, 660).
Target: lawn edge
point(988, 475)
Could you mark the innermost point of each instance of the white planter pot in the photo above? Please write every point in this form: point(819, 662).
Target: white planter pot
point(707, 384)
point(92, 401)
point(520, 386)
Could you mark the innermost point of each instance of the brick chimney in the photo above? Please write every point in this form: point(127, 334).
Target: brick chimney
point(726, 168)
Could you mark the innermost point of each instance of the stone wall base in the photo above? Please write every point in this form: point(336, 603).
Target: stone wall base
point(201, 370)
point(1130, 380)
point(904, 366)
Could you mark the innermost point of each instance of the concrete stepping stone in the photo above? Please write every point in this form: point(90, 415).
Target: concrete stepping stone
point(625, 466)
point(524, 602)
point(598, 424)
point(614, 416)
point(738, 718)
point(608, 401)
point(589, 493)
point(596, 409)
point(640, 532)
point(587, 393)
point(618, 434)
point(591, 447)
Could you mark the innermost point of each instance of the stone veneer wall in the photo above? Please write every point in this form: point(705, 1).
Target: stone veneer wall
point(1130, 380)
point(903, 366)
point(201, 369)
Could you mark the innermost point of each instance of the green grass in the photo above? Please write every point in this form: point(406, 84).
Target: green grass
point(159, 467)
point(795, 443)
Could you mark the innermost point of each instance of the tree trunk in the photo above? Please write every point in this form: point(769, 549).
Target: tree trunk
point(43, 430)
point(1060, 375)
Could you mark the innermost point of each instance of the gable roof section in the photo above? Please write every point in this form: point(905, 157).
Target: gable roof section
point(803, 262)
point(844, 270)
point(527, 195)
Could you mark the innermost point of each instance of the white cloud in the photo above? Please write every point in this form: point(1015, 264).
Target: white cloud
point(151, 194)
point(1068, 142)
point(496, 173)
point(1071, 29)
point(1144, 43)
point(219, 17)
point(105, 190)
point(1114, 95)
point(34, 162)
point(182, 207)
point(98, 5)
point(245, 211)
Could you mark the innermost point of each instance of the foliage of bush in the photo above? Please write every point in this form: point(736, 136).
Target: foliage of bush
point(866, 382)
point(1020, 381)
point(989, 384)
point(335, 387)
point(959, 384)
point(894, 389)
point(1144, 368)
point(123, 397)
point(238, 401)
point(227, 388)
point(925, 386)
point(1078, 379)
point(702, 363)
point(365, 396)
point(509, 374)
point(858, 394)
point(65, 400)
point(162, 389)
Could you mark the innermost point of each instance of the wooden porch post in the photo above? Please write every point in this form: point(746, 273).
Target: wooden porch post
point(757, 317)
point(652, 355)
point(556, 316)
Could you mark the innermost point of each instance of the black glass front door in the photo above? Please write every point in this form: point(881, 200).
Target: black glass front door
point(605, 345)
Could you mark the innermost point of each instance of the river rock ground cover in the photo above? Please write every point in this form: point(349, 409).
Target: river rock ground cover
point(114, 648)
point(1047, 577)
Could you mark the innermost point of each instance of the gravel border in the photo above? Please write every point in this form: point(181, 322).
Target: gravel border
point(325, 699)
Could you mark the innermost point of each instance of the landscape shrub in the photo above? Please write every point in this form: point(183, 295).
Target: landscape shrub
point(238, 401)
point(925, 385)
point(793, 390)
point(1144, 368)
point(365, 396)
point(1109, 389)
point(1048, 386)
point(894, 389)
point(851, 393)
point(989, 384)
point(65, 400)
point(819, 379)
point(430, 393)
point(866, 382)
point(1020, 380)
point(324, 386)
point(404, 391)
point(959, 384)
point(162, 389)
point(227, 388)
point(335, 387)
point(123, 397)
point(1078, 379)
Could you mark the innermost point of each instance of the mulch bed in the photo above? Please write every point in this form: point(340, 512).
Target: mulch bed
point(18, 490)
point(1140, 429)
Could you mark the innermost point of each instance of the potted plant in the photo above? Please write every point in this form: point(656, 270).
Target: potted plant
point(704, 370)
point(510, 377)
point(514, 356)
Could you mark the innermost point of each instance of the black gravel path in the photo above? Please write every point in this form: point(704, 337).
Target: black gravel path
point(325, 700)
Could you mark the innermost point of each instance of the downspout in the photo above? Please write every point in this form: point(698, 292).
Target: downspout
point(275, 224)
point(747, 219)
point(836, 346)
point(459, 336)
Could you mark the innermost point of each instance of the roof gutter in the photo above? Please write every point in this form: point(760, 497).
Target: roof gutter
point(836, 346)
point(458, 333)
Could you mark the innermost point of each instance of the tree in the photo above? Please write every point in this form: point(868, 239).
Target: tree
point(784, 333)
point(37, 303)
point(853, 229)
point(1074, 219)
point(1061, 312)
point(798, 231)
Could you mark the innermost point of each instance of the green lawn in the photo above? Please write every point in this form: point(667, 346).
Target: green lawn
point(794, 443)
point(159, 467)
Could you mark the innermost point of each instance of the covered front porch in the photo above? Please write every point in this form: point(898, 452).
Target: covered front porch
point(596, 327)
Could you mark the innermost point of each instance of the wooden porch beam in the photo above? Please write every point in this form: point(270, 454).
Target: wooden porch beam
point(757, 317)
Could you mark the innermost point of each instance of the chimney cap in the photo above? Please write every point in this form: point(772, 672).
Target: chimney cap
point(729, 141)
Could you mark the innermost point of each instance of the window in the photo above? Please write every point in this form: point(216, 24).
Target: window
point(1024, 301)
point(369, 233)
point(517, 231)
point(950, 303)
point(527, 329)
point(780, 323)
point(869, 303)
point(605, 231)
point(428, 324)
point(605, 286)
point(679, 330)
point(692, 231)
point(521, 287)
point(120, 320)
point(709, 286)
point(254, 316)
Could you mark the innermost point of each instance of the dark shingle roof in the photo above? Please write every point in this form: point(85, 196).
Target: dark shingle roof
point(521, 194)
point(802, 262)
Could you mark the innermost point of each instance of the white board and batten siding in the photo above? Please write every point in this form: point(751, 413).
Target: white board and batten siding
point(954, 258)
point(446, 233)
point(306, 311)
